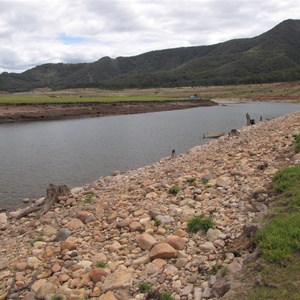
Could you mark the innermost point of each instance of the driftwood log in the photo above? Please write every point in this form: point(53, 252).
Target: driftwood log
point(53, 192)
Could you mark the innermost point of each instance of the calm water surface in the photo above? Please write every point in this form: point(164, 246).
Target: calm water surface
point(75, 152)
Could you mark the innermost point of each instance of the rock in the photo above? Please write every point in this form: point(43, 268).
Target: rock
point(74, 224)
point(259, 190)
point(26, 200)
point(214, 234)
point(176, 242)
point(115, 247)
point(62, 234)
point(86, 217)
point(234, 267)
point(164, 219)
point(46, 289)
point(187, 290)
point(108, 296)
point(68, 245)
point(97, 274)
point(207, 247)
point(135, 226)
point(206, 293)
point(162, 250)
point(49, 231)
point(38, 284)
point(117, 280)
point(146, 241)
point(197, 293)
point(33, 262)
point(3, 219)
point(85, 264)
point(224, 183)
point(220, 288)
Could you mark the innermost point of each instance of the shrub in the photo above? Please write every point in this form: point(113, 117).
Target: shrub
point(174, 190)
point(145, 287)
point(199, 223)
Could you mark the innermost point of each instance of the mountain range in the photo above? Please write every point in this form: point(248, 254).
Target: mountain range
point(273, 56)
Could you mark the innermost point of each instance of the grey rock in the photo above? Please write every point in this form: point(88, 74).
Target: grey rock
point(62, 234)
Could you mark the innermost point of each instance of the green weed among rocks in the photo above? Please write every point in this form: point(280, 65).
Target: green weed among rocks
point(174, 190)
point(198, 223)
point(89, 198)
point(145, 287)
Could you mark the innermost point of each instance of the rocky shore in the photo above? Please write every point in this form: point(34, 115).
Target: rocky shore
point(109, 238)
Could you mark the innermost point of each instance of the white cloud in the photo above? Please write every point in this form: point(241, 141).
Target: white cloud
point(34, 32)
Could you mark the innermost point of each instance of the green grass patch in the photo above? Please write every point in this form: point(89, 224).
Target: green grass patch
point(26, 99)
point(279, 281)
point(89, 198)
point(145, 287)
point(101, 265)
point(279, 241)
point(191, 180)
point(166, 296)
point(199, 223)
point(297, 140)
point(174, 190)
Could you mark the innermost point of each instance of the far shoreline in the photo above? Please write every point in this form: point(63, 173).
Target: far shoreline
point(15, 113)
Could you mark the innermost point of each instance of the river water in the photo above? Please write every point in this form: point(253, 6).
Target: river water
point(75, 152)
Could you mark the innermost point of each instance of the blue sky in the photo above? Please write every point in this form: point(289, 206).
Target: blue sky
point(34, 32)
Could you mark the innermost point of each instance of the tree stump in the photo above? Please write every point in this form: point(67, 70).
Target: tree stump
point(53, 192)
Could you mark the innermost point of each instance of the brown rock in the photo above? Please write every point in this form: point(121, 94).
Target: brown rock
point(146, 241)
point(74, 224)
point(117, 280)
point(46, 289)
point(68, 245)
point(108, 296)
point(97, 275)
point(162, 250)
point(176, 242)
point(135, 226)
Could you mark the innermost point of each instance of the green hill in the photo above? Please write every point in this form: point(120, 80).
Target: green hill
point(273, 56)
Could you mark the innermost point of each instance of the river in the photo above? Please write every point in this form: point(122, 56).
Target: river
point(75, 152)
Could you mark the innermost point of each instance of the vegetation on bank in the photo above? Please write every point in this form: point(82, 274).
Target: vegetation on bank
point(29, 99)
point(279, 241)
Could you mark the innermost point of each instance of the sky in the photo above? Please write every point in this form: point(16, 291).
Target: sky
point(35, 32)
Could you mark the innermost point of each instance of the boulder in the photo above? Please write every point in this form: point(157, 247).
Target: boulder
point(162, 250)
point(146, 241)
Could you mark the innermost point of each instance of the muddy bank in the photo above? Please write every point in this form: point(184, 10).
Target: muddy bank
point(37, 112)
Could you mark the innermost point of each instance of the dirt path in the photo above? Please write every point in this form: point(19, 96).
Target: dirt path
point(37, 112)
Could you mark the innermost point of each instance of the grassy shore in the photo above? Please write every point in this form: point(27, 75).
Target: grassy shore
point(285, 91)
point(279, 240)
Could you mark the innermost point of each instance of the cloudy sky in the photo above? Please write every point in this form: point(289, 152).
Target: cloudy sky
point(34, 32)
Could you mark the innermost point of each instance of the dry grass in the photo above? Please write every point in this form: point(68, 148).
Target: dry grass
point(286, 91)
